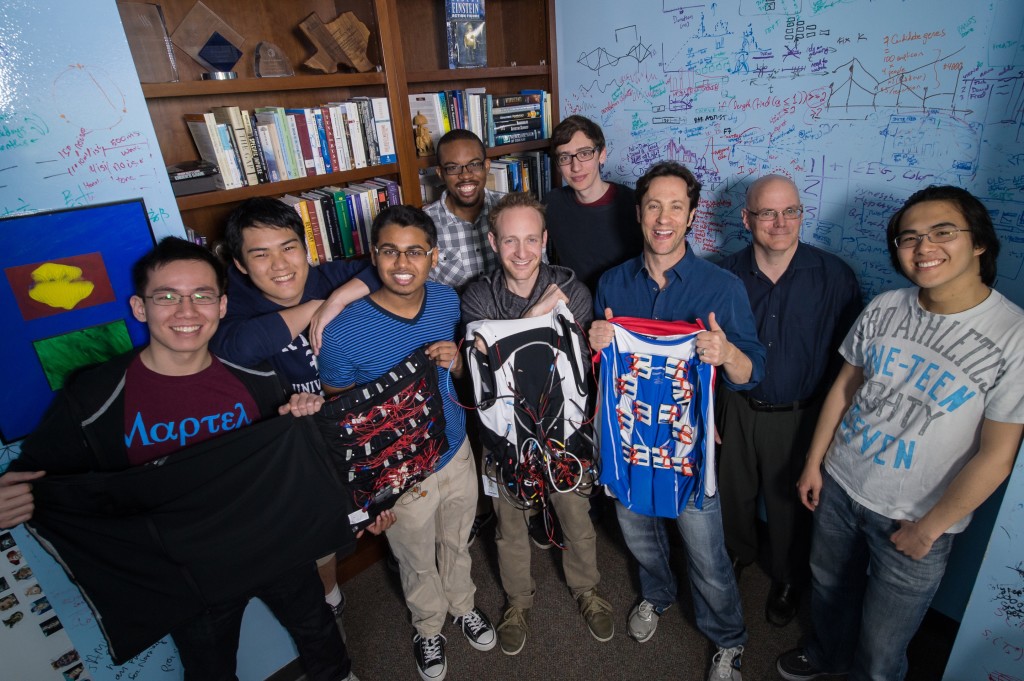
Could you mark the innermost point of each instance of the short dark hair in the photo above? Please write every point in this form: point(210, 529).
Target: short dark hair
point(564, 131)
point(514, 200)
point(983, 232)
point(669, 169)
point(260, 211)
point(456, 135)
point(403, 216)
point(172, 249)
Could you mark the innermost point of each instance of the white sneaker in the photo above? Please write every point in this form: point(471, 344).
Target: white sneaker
point(726, 664)
point(643, 621)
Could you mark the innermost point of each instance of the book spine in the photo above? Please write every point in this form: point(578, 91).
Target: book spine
point(324, 117)
point(316, 220)
point(333, 244)
point(344, 224)
point(369, 130)
point(256, 145)
point(207, 145)
point(516, 137)
point(307, 223)
point(341, 142)
point(355, 135)
point(227, 143)
point(300, 141)
point(385, 131)
point(264, 133)
point(321, 141)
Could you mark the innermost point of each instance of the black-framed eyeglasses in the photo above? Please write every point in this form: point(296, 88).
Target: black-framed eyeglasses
point(169, 298)
point(412, 254)
point(583, 155)
point(473, 167)
point(939, 235)
point(770, 215)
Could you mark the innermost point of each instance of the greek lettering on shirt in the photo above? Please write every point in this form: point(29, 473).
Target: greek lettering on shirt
point(186, 429)
point(911, 391)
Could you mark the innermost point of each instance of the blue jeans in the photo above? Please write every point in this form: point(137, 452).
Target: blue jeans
point(208, 643)
point(716, 599)
point(868, 599)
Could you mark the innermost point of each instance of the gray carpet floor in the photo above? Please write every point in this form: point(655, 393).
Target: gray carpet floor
point(559, 645)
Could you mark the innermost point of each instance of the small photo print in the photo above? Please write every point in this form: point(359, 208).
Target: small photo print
point(23, 573)
point(51, 626)
point(14, 557)
point(74, 673)
point(67, 658)
point(7, 602)
point(6, 541)
point(34, 590)
point(40, 606)
point(3, 585)
point(9, 622)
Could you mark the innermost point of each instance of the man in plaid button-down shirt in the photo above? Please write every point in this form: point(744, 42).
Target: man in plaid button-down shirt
point(461, 213)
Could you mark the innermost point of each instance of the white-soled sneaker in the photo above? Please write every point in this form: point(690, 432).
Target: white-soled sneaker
point(430, 659)
point(477, 629)
point(726, 665)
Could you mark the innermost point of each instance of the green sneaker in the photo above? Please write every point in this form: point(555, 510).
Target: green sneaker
point(512, 630)
point(598, 614)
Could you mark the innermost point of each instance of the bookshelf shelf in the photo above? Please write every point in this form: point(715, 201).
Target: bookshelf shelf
point(231, 196)
point(490, 73)
point(204, 88)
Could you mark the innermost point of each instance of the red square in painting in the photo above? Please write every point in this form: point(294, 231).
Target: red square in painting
point(51, 287)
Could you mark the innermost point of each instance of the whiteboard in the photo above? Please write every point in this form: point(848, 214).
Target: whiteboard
point(861, 103)
point(74, 126)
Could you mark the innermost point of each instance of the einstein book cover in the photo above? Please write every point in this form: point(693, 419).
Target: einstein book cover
point(467, 33)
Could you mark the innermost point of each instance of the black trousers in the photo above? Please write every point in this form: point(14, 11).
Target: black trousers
point(208, 643)
point(762, 454)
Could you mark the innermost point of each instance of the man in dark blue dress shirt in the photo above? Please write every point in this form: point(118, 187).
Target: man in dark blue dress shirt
point(804, 301)
point(669, 282)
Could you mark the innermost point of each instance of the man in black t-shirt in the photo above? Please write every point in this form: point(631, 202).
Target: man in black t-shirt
point(171, 395)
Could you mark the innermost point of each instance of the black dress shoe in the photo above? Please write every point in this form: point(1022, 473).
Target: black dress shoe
point(783, 601)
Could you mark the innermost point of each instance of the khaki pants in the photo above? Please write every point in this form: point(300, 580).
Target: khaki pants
point(579, 560)
point(429, 540)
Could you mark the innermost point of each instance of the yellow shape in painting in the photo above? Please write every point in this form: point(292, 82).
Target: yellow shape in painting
point(59, 285)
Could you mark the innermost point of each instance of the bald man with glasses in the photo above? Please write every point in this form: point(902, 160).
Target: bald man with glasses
point(804, 301)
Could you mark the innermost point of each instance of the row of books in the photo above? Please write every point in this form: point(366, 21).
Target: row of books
point(496, 119)
point(338, 219)
point(526, 172)
point(272, 143)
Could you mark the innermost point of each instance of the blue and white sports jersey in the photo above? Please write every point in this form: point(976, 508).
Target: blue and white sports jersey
point(656, 410)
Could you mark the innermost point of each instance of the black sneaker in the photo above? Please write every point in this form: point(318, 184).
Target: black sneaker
point(793, 665)
point(477, 629)
point(479, 523)
point(430, 659)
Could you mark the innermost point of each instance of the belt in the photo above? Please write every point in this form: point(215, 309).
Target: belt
point(758, 405)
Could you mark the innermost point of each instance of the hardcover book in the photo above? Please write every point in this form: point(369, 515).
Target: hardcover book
point(466, 33)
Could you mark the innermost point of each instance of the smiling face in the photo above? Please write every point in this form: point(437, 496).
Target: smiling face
point(581, 175)
point(185, 329)
point(778, 236)
point(665, 216)
point(275, 260)
point(466, 188)
point(402, 276)
point(945, 268)
point(519, 239)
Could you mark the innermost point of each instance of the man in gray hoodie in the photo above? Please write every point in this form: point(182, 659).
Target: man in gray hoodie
point(526, 286)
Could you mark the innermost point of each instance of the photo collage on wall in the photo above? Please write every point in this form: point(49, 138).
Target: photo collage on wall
point(28, 622)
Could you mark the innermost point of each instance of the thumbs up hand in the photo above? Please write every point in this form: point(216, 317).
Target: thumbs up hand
point(713, 347)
